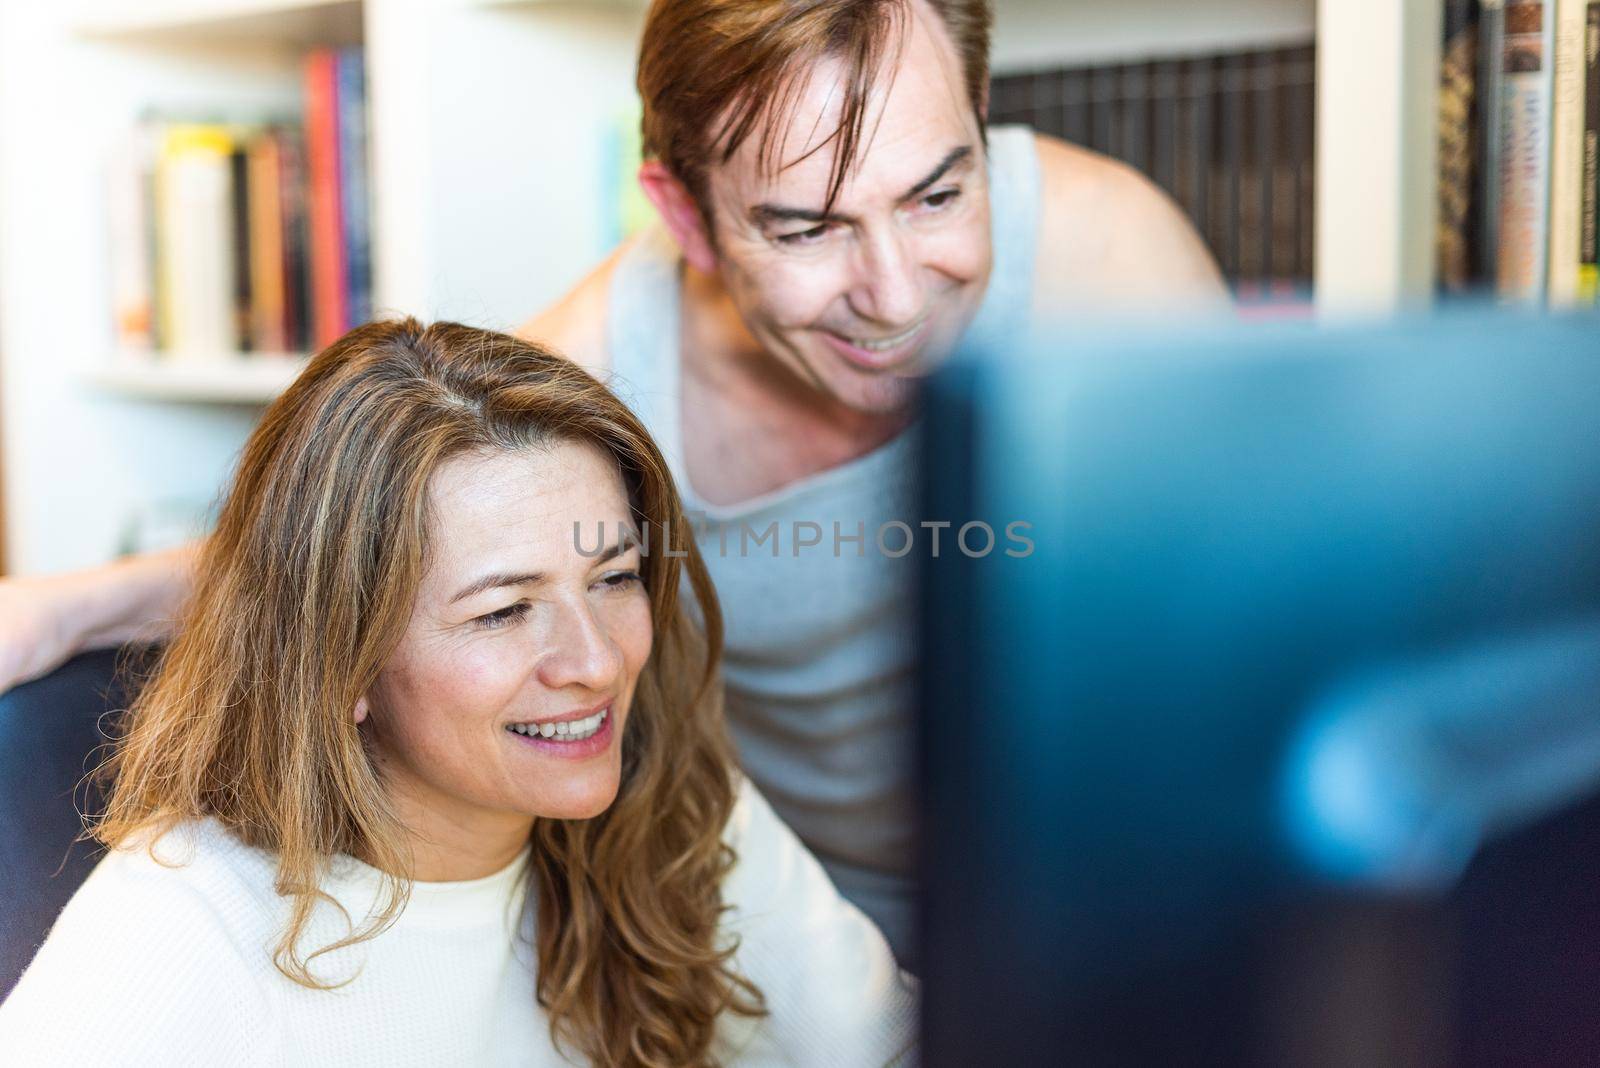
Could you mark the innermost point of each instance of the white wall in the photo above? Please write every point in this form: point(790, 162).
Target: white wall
point(1043, 33)
point(490, 127)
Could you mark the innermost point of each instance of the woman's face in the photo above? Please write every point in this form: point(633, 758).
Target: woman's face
point(508, 696)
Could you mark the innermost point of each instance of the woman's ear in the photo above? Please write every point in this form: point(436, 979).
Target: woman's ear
point(680, 212)
point(362, 708)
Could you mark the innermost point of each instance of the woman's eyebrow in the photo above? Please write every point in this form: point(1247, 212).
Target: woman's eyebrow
point(500, 579)
point(497, 580)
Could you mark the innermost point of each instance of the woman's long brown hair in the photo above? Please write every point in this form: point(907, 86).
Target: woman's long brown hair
point(302, 594)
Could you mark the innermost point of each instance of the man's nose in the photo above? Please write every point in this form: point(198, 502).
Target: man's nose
point(579, 651)
point(889, 288)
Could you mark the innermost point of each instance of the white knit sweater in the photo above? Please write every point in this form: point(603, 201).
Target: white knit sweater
point(152, 964)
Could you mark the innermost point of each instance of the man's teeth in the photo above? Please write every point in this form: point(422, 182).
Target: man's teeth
point(887, 343)
point(575, 730)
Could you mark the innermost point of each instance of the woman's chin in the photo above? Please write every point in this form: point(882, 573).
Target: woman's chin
point(582, 802)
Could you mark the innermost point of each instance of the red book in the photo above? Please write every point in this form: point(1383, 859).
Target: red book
point(329, 309)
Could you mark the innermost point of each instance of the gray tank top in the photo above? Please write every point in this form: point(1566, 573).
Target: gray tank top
point(818, 662)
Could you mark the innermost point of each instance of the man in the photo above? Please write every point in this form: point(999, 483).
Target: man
point(836, 220)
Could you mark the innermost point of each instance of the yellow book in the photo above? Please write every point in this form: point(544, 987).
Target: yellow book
point(194, 241)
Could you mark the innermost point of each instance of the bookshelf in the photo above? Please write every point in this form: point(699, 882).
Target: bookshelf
point(222, 379)
point(492, 126)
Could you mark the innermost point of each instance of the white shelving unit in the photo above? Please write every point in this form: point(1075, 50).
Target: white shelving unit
point(224, 379)
point(1377, 150)
point(489, 122)
point(211, 22)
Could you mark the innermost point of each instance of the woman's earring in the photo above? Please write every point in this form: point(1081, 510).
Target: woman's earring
point(361, 710)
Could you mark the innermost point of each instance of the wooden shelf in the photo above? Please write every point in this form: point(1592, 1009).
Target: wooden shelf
point(298, 23)
point(254, 379)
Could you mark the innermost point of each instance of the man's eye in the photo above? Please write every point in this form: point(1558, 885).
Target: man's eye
point(804, 237)
point(507, 615)
point(943, 198)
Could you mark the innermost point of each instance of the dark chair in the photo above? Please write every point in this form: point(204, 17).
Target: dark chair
point(50, 734)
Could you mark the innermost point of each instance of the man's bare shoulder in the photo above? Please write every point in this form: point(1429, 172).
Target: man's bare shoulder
point(1110, 238)
point(575, 325)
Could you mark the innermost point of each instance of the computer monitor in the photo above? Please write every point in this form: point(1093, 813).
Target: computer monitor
point(1292, 619)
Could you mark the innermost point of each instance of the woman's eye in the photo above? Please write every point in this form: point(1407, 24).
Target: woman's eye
point(621, 580)
point(507, 615)
point(804, 237)
point(942, 199)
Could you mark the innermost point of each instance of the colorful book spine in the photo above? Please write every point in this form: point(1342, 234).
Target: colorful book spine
point(1525, 151)
point(195, 241)
point(132, 247)
point(1459, 151)
point(239, 173)
point(1566, 154)
point(268, 278)
point(1492, 93)
point(1588, 245)
point(296, 241)
point(353, 186)
point(329, 311)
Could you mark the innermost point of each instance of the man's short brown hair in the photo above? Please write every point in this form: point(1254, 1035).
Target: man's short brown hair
point(714, 73)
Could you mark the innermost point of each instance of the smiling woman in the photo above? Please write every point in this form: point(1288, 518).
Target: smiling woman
point(412, 743)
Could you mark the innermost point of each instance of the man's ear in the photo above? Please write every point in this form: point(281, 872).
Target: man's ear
point(362, 708)
point(680, 212)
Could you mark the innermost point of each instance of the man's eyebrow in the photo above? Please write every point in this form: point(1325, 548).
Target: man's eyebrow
point(955, 156)
point(776, 213)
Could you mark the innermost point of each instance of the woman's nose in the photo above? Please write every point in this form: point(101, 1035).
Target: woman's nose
point(579, 652)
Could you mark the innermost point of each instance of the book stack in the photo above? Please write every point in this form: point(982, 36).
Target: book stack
point(231, 237)
point(1519, 134)
point(1229, 136)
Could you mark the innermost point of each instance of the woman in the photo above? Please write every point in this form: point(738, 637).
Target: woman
point(424, 778)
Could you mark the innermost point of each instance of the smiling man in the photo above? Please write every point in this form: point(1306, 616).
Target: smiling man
point(836, 219)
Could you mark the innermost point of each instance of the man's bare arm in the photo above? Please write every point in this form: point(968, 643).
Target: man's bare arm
point(46, 620)
point(1111, 242)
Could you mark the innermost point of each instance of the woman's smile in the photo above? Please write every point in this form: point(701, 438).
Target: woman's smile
point(573, 737)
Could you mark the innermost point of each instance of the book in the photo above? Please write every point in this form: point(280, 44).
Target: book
point(325, 230)
point(1525, 123)
point(353, 182)
point(1566, 154)
point(196, 242)
point(267, 310)
point(1491, 131)
point(296, 239)
point(130, 177)
point(1588, 246)
point(1456, 238)
point(239, 188)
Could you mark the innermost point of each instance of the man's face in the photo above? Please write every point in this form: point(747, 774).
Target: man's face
point(860, 301)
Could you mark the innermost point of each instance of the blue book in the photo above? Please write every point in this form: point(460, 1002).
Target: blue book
point(354, 198)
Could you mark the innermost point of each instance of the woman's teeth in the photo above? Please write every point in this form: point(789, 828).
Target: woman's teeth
point(575, 730)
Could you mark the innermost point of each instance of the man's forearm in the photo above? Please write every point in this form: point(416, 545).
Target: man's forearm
point(136, 599)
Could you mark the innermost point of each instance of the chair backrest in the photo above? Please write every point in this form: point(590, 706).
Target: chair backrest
point(50, 734)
